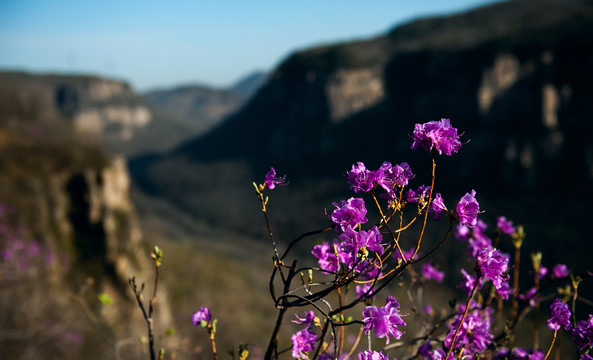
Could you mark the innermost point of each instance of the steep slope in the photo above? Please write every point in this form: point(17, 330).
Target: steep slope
point(248, 85)
point(198, 106)
point(69, 239)
point(515, 76)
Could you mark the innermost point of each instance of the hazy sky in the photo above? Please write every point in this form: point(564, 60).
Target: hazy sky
point(164, 43)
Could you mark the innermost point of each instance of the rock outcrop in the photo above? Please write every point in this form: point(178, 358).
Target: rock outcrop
point(69, 241)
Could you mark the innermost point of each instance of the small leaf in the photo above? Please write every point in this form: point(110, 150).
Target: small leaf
point(105, 299)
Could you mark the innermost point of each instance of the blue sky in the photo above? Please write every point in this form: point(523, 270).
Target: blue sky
point(154, 44)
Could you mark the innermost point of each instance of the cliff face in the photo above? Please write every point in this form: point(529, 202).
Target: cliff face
point(108, 112)
point(99, 108)
point(69, 241)
point(514, 76)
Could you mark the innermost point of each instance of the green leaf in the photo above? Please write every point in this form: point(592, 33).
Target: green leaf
point(105, 299)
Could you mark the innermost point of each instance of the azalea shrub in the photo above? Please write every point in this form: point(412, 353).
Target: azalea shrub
point(344, 306)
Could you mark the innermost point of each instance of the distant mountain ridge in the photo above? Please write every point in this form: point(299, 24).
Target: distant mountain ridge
point(202, 106)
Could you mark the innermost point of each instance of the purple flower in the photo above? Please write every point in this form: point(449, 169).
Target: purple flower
point(303, 342)
point(559, 316)
point(350, 213)
point(438, 206)
point(462, 232)
point(360, 178)
point(372, 355)
point(467, 209)
point(493, 264)
point(529, 296)
point(385, 178)
point(408, 254)
point(428, 310)
point(419, 196)
point(326, 257)
point(476, 237)
point(371, 239)
point(439, 354)
point(478, 242)
point(388, 176)
point(436, 136)
point(361, 290)
point(201, 315)
point(271, 180)
point(523, 354)
point(429, 272)
point(505, 290)
point(506, 226)
point(384, 321)
point(474, 335)
point(469, 281)
point(560, 271)
point(583, 333)
point(427, 353)
point(425, 349)
point(353, 241)
point(543, 271)
point(367, 271)
point(304, 319)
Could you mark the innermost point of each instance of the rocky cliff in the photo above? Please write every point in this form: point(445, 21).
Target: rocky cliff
point(514, 76)
point(69, 240)
point(104, 112)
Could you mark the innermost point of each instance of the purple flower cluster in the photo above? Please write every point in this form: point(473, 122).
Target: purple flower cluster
point(373, 355)
point(506, 226)
point(201, 315)
point(349, 213)
point(420, 196)
point(353, 241)
point(559, 316)
point(429, 272)
point(474, 335)
point(427, 353)
point(271, 180)
point(493, 264)
point(583, 333)
point(384, 321)
point(352, 246)
point(518, 354)
point(388, 176)
point(347, 248)
point(436, 136)
point(303, 340)
point(327, 256)
point(476, 237)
